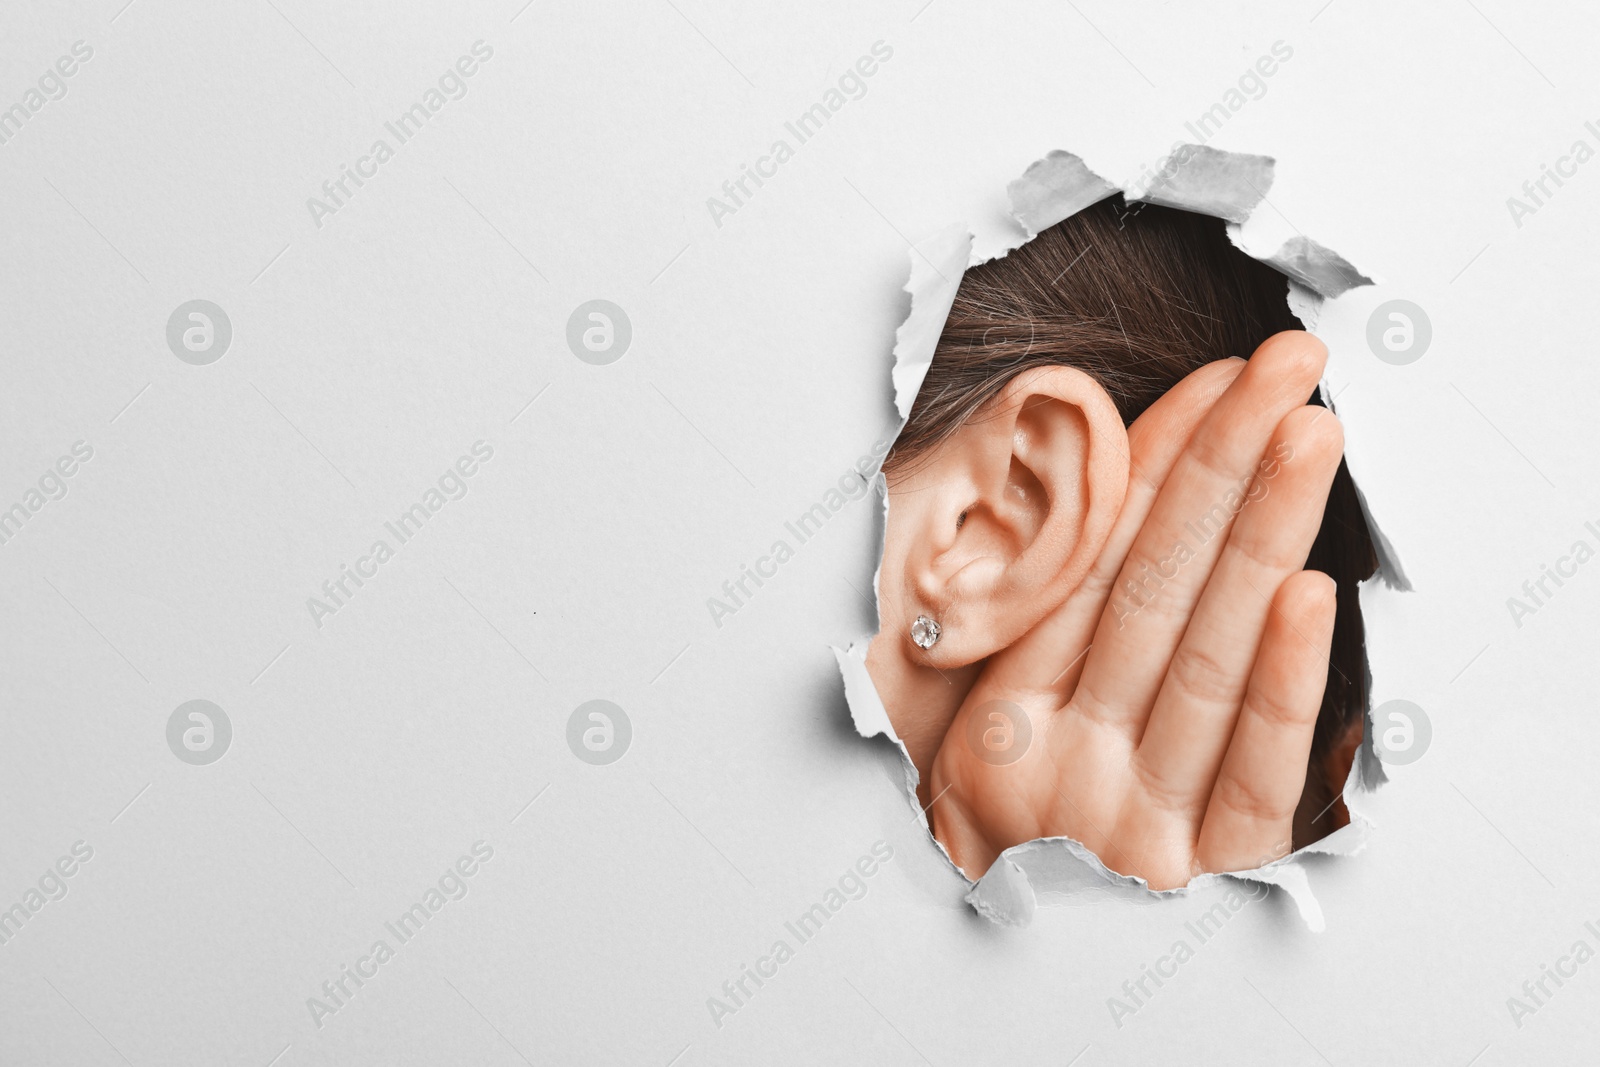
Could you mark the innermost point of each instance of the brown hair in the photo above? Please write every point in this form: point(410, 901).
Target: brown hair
point(1138, 296)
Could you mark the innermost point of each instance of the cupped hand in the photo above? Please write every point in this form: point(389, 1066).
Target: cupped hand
point(1163, 714)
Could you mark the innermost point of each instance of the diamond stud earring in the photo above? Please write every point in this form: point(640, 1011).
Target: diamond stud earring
point(925, 632)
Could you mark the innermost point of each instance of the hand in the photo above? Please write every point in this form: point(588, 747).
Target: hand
point(1163, 714)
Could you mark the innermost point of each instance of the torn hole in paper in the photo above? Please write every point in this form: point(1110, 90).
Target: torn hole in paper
point(1204, 181)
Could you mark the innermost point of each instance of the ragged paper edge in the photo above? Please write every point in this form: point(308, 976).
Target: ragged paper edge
point(1306, 306)
point(871, 719)
point(1316, 267)
point(1054, 871)
point(867, 712)
point(1060, 871)
point(937, 265)
point(1209, 181)
point(1390, 571)
point(1055, 188)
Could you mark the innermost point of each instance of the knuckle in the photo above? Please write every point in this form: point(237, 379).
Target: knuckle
point(1252, 799)
point(1143, 583)
point(1216, 448)
point(1200, 676)
point(1160, 792)
point(1270, 559)
point(1276, 711)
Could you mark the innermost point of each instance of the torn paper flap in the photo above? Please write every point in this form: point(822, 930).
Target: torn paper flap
point(1055, 188)
point(937, 265)
point(1390, 570)
point(1209, 181)
point(1316, 267)
point(871, 718)
point(1306, 305)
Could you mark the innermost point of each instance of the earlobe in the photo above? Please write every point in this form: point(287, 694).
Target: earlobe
point(1011, 512)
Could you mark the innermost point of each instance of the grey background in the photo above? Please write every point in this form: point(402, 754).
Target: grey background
point(430, 712)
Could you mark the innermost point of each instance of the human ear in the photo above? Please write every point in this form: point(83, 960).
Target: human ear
point(1007, 516)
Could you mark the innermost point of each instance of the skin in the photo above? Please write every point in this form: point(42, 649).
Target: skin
point(1169, 722)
